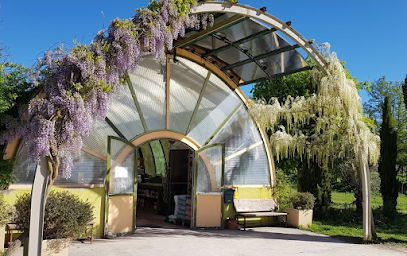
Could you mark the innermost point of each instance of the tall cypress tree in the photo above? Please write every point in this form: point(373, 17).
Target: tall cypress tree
point(387, 163)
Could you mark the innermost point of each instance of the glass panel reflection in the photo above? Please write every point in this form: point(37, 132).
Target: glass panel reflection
point(245, 156)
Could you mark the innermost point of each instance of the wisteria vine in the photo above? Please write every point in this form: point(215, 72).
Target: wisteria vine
point(77, 86)
point(339, 124)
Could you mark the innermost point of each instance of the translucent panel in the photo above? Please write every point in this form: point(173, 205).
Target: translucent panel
point(97, 139)
point(24, 167)
point(122, 167)
point(246, 159)
point(209, 170)
point(187, 79)
point(216, 105)
point(148, 159)
point(267, 42)
point(149, 86)
point(124, 115)
point(279, 63)
point(87, 169)
point(159, 158)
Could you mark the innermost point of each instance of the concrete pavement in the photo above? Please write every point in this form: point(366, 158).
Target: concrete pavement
point(254, 241)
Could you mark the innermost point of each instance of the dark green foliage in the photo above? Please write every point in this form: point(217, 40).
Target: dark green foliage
point(298, 84)
point(66, 215)
point(283, 189)
point(387, 162)
point(302, 200)
point(374, 107)
point(316, 180)
point(6, 169)
point(5, 212)
point(404, 87)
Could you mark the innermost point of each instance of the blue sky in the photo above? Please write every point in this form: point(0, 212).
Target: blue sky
point(369, 35)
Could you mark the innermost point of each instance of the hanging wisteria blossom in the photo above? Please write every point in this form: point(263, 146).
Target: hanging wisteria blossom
point(77, 85)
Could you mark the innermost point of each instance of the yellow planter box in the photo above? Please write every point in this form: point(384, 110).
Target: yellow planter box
point(297, 218)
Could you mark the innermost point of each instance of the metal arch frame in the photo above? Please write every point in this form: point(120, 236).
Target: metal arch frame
point(251, 12)
point(248, 11)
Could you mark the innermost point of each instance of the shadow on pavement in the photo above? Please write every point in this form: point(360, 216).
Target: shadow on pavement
point(263, 233)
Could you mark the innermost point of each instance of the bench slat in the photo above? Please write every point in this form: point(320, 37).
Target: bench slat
point(262, 214)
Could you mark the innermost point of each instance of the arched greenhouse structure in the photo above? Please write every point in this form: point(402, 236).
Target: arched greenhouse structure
point(182, 127)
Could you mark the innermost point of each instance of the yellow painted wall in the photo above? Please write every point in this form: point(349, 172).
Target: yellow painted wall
point(94, 195)
point(120, 214)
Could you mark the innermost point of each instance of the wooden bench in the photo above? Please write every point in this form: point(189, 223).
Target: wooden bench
point(251, 208)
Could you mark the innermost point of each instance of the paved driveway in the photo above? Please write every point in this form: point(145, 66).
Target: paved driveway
point(254, 241)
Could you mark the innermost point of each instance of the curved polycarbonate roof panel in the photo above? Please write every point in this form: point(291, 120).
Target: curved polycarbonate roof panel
point(187, 79)
point(97, 139)
point(246, 50)
point(149, 87)
point(124, 114)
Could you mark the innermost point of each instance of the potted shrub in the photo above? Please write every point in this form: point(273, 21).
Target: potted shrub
point(5, 214)
point(302, 211)
point(66, 218)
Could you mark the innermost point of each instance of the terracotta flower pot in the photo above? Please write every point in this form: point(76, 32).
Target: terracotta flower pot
point(231, 224)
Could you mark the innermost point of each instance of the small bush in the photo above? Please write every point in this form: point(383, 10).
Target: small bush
point(66, 216)
point(5, 212)
point(6, 169)
point(283, 190)
point(303, 200)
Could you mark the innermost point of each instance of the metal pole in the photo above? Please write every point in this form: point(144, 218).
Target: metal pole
point(367, 217)
point(38, 192)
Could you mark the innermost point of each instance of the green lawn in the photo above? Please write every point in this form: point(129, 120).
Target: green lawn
point(343, 222)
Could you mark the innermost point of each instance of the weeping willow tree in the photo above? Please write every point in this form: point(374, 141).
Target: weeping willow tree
point(325, 126)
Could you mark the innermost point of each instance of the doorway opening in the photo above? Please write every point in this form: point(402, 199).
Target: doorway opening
point(165, 184)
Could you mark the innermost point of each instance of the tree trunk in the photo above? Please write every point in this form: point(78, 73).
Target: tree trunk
point(357, 191)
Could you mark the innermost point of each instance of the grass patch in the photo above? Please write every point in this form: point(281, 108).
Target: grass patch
point(342, 221)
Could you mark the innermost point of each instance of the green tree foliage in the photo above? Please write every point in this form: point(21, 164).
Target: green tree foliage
point(378, 90)
point(14, 86)
point(316, 179)
point(5, 212)
point(387, 162)
point(6, 169)
point(15, 91)
point(283, 189)
point(297, 84)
